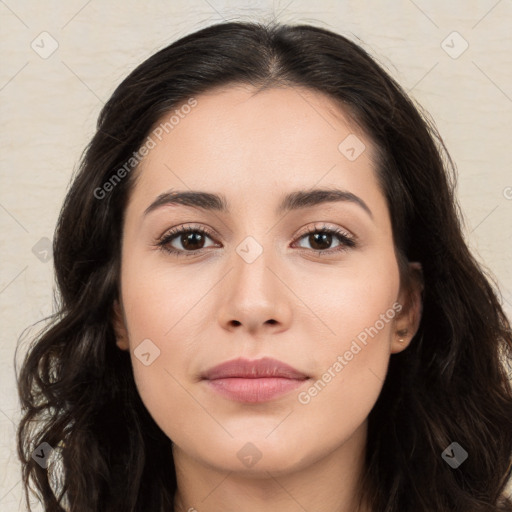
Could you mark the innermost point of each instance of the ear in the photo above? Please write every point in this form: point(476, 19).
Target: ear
point(410, 298)
point(119, 324)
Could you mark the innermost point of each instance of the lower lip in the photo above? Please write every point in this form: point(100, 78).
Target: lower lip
point(254, 390)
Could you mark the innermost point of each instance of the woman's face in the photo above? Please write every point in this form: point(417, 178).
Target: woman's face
point(264, 281)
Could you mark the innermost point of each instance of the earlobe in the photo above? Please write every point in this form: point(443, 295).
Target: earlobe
point(119, 326)
point(408, 321)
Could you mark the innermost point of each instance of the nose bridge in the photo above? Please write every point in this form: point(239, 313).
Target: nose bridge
point(251, 260)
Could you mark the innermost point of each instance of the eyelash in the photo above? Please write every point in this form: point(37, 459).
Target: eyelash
point(347, 241)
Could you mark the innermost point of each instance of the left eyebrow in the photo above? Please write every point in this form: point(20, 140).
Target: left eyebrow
point(297, 200)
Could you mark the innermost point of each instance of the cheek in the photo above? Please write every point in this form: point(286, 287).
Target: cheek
point(353, 302)
point(352, 355)
point(159, 373)
point(153, 309)
point(350, 375)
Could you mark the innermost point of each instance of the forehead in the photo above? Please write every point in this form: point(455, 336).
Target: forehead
point(242, 141)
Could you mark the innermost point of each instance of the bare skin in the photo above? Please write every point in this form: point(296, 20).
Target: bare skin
point(289, 303)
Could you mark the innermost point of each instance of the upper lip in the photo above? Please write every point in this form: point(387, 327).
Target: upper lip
point(258, 368)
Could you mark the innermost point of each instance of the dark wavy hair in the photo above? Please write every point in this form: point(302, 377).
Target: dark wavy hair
point(77, 389)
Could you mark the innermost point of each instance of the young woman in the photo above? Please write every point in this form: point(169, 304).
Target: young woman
point(266, 299)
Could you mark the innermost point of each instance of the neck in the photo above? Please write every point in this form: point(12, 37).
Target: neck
point(330, 484)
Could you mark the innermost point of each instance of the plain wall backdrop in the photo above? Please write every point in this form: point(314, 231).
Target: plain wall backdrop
point(62, 60)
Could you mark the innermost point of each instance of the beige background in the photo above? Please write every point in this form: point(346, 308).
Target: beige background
point(49, 106)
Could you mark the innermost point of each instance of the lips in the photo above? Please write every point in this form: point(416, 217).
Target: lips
point(246, 369)
point(254, 381)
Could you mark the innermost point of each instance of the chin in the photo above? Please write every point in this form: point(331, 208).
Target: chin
point(256, 456)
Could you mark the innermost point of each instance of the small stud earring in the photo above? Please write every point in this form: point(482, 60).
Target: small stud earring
point(402, 332)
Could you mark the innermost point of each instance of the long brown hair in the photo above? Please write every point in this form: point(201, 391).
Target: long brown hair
point(450, 385)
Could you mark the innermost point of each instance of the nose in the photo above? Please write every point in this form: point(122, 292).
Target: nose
point(254, 296)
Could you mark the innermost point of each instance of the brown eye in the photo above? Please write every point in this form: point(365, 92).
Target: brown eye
point(184, 241)
point(322, 240)
point(192, 241)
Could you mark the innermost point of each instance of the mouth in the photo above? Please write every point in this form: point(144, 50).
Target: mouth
point(254, 381)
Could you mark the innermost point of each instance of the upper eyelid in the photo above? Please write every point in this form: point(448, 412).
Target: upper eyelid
point(326, 227)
